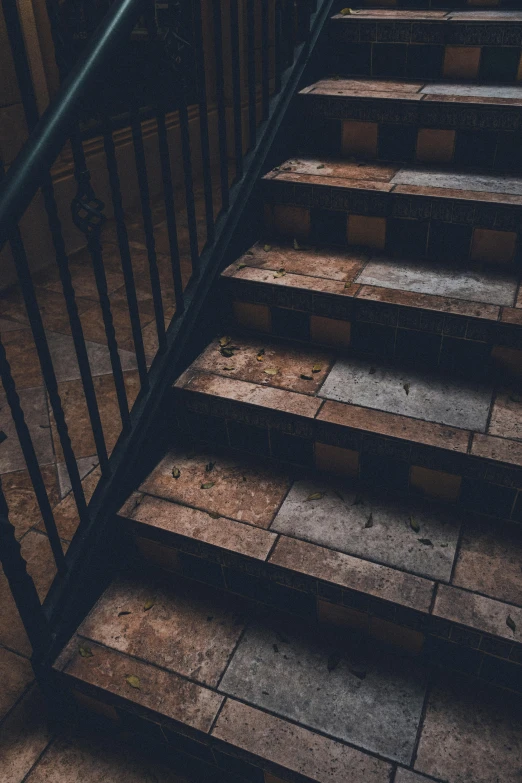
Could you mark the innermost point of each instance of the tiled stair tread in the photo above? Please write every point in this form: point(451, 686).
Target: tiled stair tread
point(267, 686)
point(444, 288)
point(386, 178)
point(489, 16)
point(405, 90)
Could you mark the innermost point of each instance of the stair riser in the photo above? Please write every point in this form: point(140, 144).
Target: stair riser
point(438, 641)
point(376, 459)
point(413, 224)
point(414, 131)
point(436, 49)
point(455, 343)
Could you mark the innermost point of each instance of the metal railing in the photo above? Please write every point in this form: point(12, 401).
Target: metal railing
point(258, 53)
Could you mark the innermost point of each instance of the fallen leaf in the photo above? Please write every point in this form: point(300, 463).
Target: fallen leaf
point(406, 388)
point(208, 485)
point(321, 166)
point(176, 473)
point(242, 265)
point(369, 523)
point(214, 515)
point(267, 248)
point(306, 377)
point(316, 496)
point(348, 284)
point(249, 253)
point(229, 368)
point(149, 603)
point(426, 541)
point(372, 371)
point(316, 368)
point(334, 659)
point(227, 352)
point(225, 341)
point(414, 524)
point(85, 651)
point(280, 273)
point(122, 614)
point(346, 11)
point(133, 681)
point(511, 623)
point(260, 355)
point(270, 371)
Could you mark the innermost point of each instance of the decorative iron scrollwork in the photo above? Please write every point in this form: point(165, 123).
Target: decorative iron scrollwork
point(87, 209)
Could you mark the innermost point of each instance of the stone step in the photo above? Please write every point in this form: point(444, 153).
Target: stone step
point(464, 320)
point(468, 125)
point(427, 44)
point(398, 427)
point(229, 694)
point(401, 571)
point(417, 212)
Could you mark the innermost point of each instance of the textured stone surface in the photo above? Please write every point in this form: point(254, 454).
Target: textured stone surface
point(458, 403)
point(484, 183)
point(506, 416)
point(290, 673)
point(476, 611)
point(34, 405)
point(475, 90)
point(16, 674)
point(321, 262)
point(339, 519)
point(23, 736)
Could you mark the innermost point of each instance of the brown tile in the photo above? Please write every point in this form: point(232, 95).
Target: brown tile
point(361, 575)
point(507, 359)
point(334, 172)
point(489, 560)
point(199, 526)
point(461, 62)
point(342, 616)
point(294, 748)
point(16, 674)
point(84, 282)
point(436, 483)
point(396, 635)
point(362, 84)
point(334, 459)
point(23, 358)
point(34, 405)
point(476, 611)
point(435, 145)
point(255, 500)
point(251, 393)
point(330, 331)
point(161, 691)
point(512, 315)
point(94, 328)
point(359, 138)
point(493, 246)
point(189, 629)
point(506, 416)
point(289, 280)
point(290, 220)
point(23, 737)
point(394, 426)
point(249, 364)
point(253, 316)
point(51, 304)
point(498, 449)
point(441, 304)
point(470, 733)
point(66, 512)
point(368, 231)
point(341, 265)
point(24, 511)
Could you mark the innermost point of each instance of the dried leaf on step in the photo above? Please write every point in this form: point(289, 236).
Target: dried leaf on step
point(249, 253)
point(511, 623)
point(346, 11)
point(358, 499)
point(214, 515)
point(208, 485)
point(225, 341)
point(267, 248)
point(334, 659)
point(316, 496)
point(306, 377)
point(176, 473)
point(260, 355)
point(242, 265)
point(426, 541)
point(369, 522)
point(85, 651)
point(280, 273)
point(270, 371)
point(209, 467)
point(122, 614)
point(227, 352)
point(321, 166)
point(133, 681)
point(372, 370)
point(317, 368)
point(229, 367)
point(348, 284)
point(149, 603)
point(406, 388)
point(414, 524)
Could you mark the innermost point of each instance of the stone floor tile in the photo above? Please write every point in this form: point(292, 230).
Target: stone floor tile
point(84, 282)
point(23, 737)
point(65, 362)
point(340, 86)
point(471, 733)
point(23, 358)
point(323, 170)
point(254, 500)
point(188, 629)
point(34, 404)
point(339, 520)
point(341, 265)
point(7, 325)
point(407, 776)
point(161, 691)
point(83, 756)
point(484, 183)
point(478, 90)
point(24, 511)
point(254, 357)
point(290, 672)
point(498, 449)
point(506, 416)
point(295, 748)
point(354, 573)
point(85, 465)
point(16, 674)
point(200, 526)
point(429, 396)
point(52, 305)
point(94, 328)
point(66, 513)
point(476, 611)
point(441, 304)
point(463, 283)
point(489, 560)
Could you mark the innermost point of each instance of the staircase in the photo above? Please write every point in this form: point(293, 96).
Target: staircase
point(325, 583)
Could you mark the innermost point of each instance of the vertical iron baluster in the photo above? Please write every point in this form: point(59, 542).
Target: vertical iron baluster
point(236, 88)
point(46, 363)
point(265, 57)
point(189, 180)
point(170, 211)
point(76, 324)
point(203, 118)
point(278, 45)
point(148, 225)
point(88, 217)
point(220, 98)
point(31, 460)
point(289, 12)
point(21, 584)
point(251, 49)
point(123, 242)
